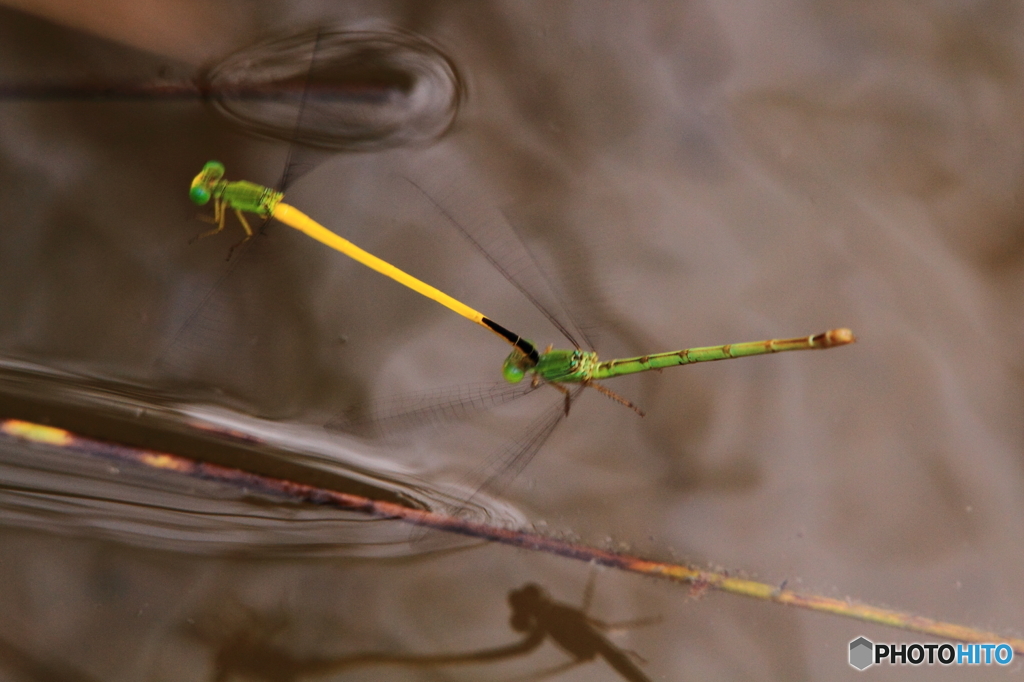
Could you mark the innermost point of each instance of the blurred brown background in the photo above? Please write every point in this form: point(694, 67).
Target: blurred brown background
point(699, 173)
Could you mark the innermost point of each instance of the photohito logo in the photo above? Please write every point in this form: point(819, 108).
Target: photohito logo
point(865, 653)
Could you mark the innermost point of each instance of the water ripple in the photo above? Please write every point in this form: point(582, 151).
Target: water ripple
point(74, 491)
point(357, 90)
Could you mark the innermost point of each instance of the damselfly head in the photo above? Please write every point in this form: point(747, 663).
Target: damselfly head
point(517, 364)
point(204, 183)
point(524, 603)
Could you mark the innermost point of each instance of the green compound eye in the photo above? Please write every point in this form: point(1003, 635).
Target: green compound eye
point(199, 195)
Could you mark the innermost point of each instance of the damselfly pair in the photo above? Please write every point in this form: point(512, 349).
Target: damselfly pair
point(567, 370)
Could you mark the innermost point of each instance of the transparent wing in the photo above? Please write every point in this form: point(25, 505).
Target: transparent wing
point(390, 415)
point(302, 159)
point(504, 248)
point(584, 299)
point(228, 331)
point(381, 418)
point(499, 471)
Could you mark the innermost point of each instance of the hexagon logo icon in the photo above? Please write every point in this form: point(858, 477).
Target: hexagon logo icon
point(861, 653)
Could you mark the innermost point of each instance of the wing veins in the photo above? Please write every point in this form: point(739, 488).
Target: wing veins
point(510, 463)
point(417, 410)
point(530, 296)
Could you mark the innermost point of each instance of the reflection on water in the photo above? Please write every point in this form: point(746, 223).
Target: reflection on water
point(92, 489)
point(579, 635)
point(244, 643)
point(340, 90)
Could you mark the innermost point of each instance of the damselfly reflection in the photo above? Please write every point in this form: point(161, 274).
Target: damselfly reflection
point(246, 649)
